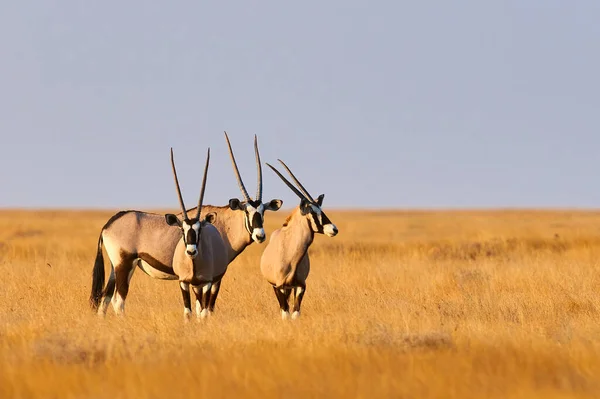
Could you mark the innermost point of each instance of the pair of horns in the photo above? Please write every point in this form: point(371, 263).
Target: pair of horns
point(259, 187)
point(302, 193)
point(185, 215)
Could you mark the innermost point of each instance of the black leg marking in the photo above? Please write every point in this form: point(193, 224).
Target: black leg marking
point(298, 295)
point(281, 297)
point(214, 293)
point(205, 299)
point(187, 302)
point(122, 273)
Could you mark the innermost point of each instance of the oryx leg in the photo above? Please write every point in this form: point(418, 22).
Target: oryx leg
point(187, 302)
point(123, 273)
point(202, 292)
point(108, 292)
point(214, 293)
point(298, 295)
point(280, 293)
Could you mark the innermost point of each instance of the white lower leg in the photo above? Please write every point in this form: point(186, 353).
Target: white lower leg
point(118, 304)
point(198, 308)
point(285, 315)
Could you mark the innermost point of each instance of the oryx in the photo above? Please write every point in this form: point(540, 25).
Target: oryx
point(239, 224)
point(200, 256)
point(285, 262)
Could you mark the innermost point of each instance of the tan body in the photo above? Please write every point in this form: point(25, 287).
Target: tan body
point(285, 262)
point(210, 264)
point(230, 225)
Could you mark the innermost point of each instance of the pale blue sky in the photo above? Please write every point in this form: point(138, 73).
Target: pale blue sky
point(374, 103)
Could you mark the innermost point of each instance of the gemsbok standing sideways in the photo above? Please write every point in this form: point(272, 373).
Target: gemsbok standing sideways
point(200, 256)
point(285, 262)
point(240, 223)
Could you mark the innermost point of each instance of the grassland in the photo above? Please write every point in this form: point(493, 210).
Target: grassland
point(456, 304)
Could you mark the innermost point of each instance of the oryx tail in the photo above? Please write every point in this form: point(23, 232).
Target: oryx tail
point(97, 277)
point(98, 289)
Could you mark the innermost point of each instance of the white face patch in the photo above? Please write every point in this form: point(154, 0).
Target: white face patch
point(330, 230)
point(258, 235)
point(192, 251)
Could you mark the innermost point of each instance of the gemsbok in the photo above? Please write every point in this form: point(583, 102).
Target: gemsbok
point(285, 263)
point(200, 256)
point(240, 223)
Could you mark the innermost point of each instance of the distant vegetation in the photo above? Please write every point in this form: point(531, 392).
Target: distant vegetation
point(452, 304)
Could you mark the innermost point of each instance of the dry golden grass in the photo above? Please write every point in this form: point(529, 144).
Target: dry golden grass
point(400, 304)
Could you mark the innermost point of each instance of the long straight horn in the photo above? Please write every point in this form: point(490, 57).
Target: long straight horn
point(300, 186)
point(259, 183)
point(290, 185)
point(236, 170)
point(177, 186)
point(203, 184)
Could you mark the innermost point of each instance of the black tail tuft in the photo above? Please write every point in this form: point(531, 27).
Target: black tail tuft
point(97, 277)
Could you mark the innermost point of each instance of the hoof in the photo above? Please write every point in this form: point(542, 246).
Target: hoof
point(295, 315)
point(204, 314)
point(285, 315)
point(186, 315)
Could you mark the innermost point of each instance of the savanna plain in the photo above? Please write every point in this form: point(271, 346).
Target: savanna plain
point(401, 304)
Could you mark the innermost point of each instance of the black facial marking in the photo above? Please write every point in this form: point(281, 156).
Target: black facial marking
point(255, 204)
point(191, 238)
point(257, 221)
point(325, 219)
point(316, 221)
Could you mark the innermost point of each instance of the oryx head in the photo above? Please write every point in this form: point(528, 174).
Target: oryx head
point(190, 228)
point(310, 208)
point(254, 210)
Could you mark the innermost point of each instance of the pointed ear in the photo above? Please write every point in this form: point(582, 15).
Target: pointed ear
point(210, 217)
point(274, 205)
point(172, 220)
point(235, 204)
point(304, 206)
point(320, 199)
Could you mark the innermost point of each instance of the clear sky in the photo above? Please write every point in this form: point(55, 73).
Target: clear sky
point(374, 103)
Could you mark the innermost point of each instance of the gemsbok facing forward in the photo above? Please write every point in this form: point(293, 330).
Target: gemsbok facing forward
point(134, 238)
point(200, 256)
point(285, 262)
